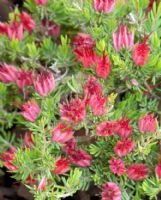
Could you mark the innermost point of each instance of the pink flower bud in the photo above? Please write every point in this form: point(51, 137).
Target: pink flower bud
point(15, 31)
point(27, 22)
point(111, 191)
point(123, 39)
point(137, 172)
point(3, 28)
point(8, 73)
point(105, 129)
point(123, 147)
point(41, 2)
point(28, 141)
point(24, 78)
point(147, 123)
point(44, 84)
point(134, 82)
point(31, 110)
point(62, 166)
point(105, 6)
point(42, 184)
point(122, 127)
point(73, 111)
point(117, 166)
point(158, 170)
point(62, 133)
point(50, 28)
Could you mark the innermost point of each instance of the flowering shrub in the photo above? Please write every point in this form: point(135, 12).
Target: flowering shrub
point(80, 84)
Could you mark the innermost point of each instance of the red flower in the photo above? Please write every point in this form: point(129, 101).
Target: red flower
point(141, 53)
point(15, 31)
point(148, 123)
point(74, 111)
point(158, 170)
point(105, 6)
point(31, 110)
point(111, 191)
point(117, 166)
point(70, 146)
point(103, 66)
point(123, 147)
point(137, 172)
point(40, 2)
point(123, 39)
point(80, 157)
point(10, 166)
point(122, 127)
point(30, 180)
point(92, 87)
point(98, 104)
point(24, 78)
point(44, 84)
point(86, 56)
point(42, 184)
point(150, 6)
point(62, 133)
point(83, 40)
point(50, 28)
point(105, 129)
point(27, 21)
point(8, 73)
point(3, 28)
point(28, 141)
point(8, 157)
point(61, 166)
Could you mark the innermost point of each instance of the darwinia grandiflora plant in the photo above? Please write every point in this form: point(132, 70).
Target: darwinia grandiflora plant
point(80, 97)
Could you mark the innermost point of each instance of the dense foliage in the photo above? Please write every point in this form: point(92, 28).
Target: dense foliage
point(80, 97)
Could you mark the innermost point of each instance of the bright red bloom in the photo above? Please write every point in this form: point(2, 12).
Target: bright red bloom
point(98, 104)
point(8, 73)
point(105, 129)
point(40, 2)
point(50, 28)
point(74, 111)
point(122, 127)
point(137, 172)
point(62, 166)
point(92, 87)
point(10, 166)
point(30, 180)
point(103, 65)
point(27, 21)
point(105, 6)
point(42, 184)
point(86, 56)
point(141, 53)
point(28, 141)
point(3, 28)
point(44, 84)
point(80, 157)
point(117, 166)
point(15, 31)
point(147, 123)
point(31, 110)
point(123, 39)
point(83, 40)
point(158, 170)
point(111, 191)
point(70, 146)
point(123, 147)
point(24, 78)
point(8, 157)
point(62, 133)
